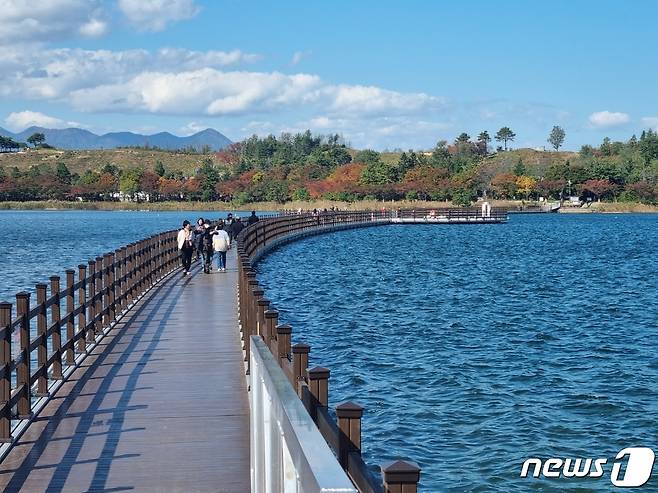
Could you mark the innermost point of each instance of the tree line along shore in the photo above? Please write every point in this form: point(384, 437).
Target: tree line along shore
point(306, 169)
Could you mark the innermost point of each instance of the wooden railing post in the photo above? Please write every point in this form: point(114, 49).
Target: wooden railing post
point(349, 416)
point(42, 340)
point(283, 332)
point(82, 301)
point(109, 282)
point(263, 304)
point(129, 274)
point(70, 307)
point(5, 364)
point(91, 322)
point(56, 317)
point(401, 476)
point(318, 383)
point(23, 367)
point(100, 308)
point(271, 321)
point(300, 363)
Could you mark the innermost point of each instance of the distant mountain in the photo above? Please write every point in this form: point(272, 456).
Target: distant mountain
point(77, 138)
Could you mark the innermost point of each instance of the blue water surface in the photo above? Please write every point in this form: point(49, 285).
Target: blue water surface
point(40, 244)
point(476, 347)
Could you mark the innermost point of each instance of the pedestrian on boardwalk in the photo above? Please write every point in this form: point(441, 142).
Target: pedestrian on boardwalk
point(237, 226)
point(206, 247)
point(252, 219)
point(221, 243)
point(185, 246)
point(196, 239)
point(228, 225)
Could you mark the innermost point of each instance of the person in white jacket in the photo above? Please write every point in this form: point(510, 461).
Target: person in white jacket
point(185, 246)
point(221, 242)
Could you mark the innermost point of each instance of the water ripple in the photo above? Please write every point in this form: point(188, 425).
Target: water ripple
point(474, 348)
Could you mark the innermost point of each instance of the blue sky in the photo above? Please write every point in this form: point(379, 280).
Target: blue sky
point(384, 74)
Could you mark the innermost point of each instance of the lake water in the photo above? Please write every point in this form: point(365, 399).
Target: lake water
point(40, 244)
point(474, 348)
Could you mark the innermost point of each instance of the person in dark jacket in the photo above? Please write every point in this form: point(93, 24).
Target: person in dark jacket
point(236, 227)
point(206, 248)
point(252, 219)
point(196, 237)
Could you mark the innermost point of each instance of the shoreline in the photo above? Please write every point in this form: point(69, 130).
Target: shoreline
point(58, 205)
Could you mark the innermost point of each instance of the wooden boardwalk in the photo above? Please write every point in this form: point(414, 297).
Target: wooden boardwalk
point(161, 405)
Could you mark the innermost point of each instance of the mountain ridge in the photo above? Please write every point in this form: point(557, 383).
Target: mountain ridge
point(80, 139)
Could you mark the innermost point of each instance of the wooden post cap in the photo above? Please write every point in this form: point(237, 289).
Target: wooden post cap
point(283, 329)
point(251, 274)
point(258, 292)
point(271, 314)
point(301, 348)
point(69, 271)
point(262, 301)
point(401, 472)
point(349, 409)
point(41, 285)
point(318, 373)
point(82, 266)
point(5, 305)
point(23, 295)
point(54, 278)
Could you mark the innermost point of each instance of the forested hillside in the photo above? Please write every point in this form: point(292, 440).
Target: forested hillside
point(306, 166)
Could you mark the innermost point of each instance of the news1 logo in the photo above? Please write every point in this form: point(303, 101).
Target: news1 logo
point(638, 463)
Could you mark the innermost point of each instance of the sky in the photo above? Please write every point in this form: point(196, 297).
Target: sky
point(384, 74)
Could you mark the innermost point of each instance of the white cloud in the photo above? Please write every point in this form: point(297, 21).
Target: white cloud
point(154, 15)
point(192, 128)
point(94, 28)
point(375, 100)
point(54, 74)
point(21, 120)
point(25, 21)
point(298, 56)
point(651, 122)
point(603, 119)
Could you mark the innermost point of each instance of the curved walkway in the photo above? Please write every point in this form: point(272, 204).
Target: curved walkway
point(160, 405)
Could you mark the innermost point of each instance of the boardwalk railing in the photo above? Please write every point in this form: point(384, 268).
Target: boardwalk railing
point(66, 323)
point(465, 214)
point(260, 331)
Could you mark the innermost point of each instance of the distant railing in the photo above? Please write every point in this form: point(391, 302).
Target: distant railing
point(69, 322)
point(493, 214)
point(261, 329)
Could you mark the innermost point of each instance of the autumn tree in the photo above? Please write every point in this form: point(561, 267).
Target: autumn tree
point(598, 188)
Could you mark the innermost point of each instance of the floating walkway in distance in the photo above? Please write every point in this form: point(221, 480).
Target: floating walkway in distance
point(486, 215)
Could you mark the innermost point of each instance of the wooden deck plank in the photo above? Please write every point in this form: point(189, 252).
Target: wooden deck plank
point(160, 405)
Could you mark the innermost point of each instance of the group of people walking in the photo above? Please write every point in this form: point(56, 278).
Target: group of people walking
point(207, 240)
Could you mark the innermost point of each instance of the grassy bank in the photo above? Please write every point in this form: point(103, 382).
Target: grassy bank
point(601, 207)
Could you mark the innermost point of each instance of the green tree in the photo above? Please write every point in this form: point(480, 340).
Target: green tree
point(378, 173)
point(301, 194)
point(36, 139)
point(519, 168)
point(556, 137)
point(440, 155)
point(367, 156)
point(505, 135)
point(483, 141)
point(63, 173)
point(129, 181)
point(160, 169)
point(463, 138)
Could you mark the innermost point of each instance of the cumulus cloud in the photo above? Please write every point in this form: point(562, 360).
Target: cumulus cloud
point(155, 15)
point(604, 119)
point(24, 21)
point(21, 120)
point(375, 100)
point(54, 74)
